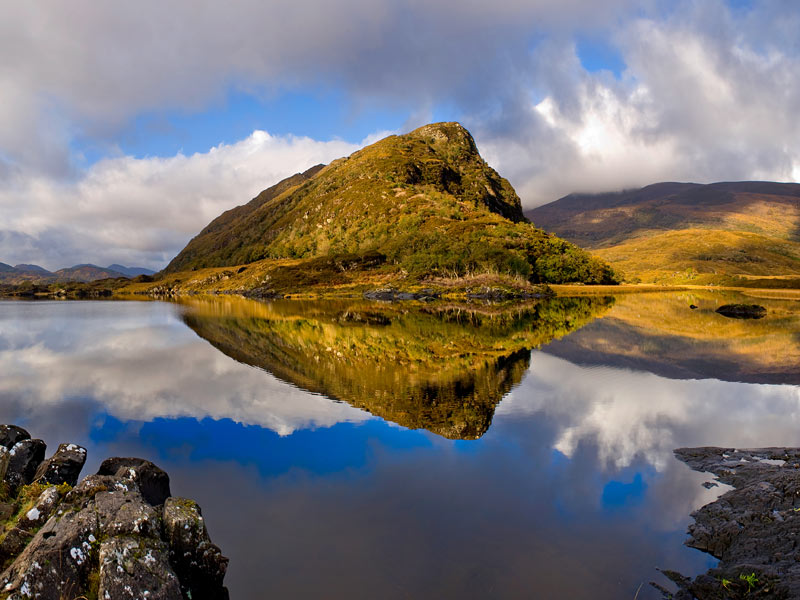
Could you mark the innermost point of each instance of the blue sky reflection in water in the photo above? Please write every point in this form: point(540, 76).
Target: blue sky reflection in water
point(572, 491)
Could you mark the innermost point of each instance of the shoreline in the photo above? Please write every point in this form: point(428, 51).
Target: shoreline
point(392, 294)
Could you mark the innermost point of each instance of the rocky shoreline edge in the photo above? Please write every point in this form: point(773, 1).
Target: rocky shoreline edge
point(114, 535)
point(753, 529)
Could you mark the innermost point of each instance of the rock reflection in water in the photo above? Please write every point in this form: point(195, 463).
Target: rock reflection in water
point(443, 368)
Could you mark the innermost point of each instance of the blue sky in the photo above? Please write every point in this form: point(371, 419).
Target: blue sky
point(122, 135)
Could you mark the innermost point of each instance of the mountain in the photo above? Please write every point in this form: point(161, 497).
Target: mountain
point(130, 271)
point(34, 269)
point(685, 232)
point(23, 273)
point(26, 274)
point(410, 206)
point(85, 273)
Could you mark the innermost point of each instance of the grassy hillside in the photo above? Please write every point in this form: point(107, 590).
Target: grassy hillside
point(687, 233)
point(418, 205)
point(703, 256)
point(442, 368)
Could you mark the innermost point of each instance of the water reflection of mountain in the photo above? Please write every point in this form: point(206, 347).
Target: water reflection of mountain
point(441, 368)
point(661, 334)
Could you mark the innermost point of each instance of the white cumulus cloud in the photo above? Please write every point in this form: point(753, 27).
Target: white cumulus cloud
point(142, 211)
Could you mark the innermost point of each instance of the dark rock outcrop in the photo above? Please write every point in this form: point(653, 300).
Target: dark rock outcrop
point(63, 467)
point(752, 529)
point(393, 295)
point(742, 311)
point(25, 458)
point(11, 434)
point(153, 483)
point(503, 295)
point(116, 535)
point(199, 563)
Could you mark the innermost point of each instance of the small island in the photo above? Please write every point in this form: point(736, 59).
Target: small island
point(419, 214)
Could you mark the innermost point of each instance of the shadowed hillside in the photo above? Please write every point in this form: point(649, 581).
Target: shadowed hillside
point(686, 233)
point(441, 368)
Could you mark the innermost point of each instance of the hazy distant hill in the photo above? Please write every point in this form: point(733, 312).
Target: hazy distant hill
point(685, 232)
point(85, 272)
point(33, 269)
point(130, 271)
point(421, 203)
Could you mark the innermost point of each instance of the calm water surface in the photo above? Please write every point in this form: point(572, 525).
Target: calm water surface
point(352, 450)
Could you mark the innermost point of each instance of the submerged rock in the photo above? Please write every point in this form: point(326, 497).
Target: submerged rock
point(117, 534)
point(742, 311)
point(752, 529)
point(393, 295)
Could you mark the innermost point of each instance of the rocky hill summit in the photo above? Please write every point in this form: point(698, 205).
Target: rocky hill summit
point(117, 534)
point(418, 204)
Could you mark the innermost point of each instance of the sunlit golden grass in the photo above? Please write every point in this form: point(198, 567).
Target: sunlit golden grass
point(702, 256)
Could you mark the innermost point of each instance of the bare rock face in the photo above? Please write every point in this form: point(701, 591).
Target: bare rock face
point(752, 529)
point(130, 564)
point(11, 434)
point(116, 535)
point(199, 563)
point(25, 458)
point(151, 481)
point(63, 467)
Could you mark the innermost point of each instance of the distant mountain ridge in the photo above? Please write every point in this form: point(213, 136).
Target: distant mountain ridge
point(418, 205)
point(83, 273)
point(130, 271)
point(686, 232)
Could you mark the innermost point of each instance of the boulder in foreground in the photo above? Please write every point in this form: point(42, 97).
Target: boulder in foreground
point(116, 535)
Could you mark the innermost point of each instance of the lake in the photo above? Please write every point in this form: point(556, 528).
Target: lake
point(359, 450)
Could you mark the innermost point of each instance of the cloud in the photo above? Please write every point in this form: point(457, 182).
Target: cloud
point(102, 356)
point(84, 69)
point(143, 211)
point(633, 415)
point(705, 97)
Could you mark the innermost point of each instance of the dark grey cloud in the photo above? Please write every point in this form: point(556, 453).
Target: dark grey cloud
point(87, 68)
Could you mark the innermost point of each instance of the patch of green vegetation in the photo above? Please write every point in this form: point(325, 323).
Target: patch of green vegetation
point(751, 580)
